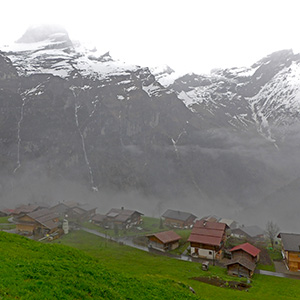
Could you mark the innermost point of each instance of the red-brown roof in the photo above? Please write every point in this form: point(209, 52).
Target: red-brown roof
point(208, 232)
point(205, 232)
point(210, 225)
point(247, 248)
point(166, 236)
point(204, 239)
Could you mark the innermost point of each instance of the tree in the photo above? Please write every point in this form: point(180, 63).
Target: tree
point(272, 229)
point(161, 225)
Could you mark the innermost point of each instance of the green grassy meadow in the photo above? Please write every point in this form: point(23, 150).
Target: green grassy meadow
point(83, 266)
point(139, 264)
point(33, 270)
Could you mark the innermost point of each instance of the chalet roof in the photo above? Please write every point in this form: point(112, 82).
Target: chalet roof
point(243, 262)
point(210, 225)
point(7, 211)
point(178, 215)
point(120, 214)
point(26, 208)
point(210, 233)
point(211, 218)
point(98, 218)
point(290, 241)
point(60, 208)
point(204, 239)
point(252, 231)
point(78, 210)
point(87, 207)
point(247, 248)
point(72, 204)
point(227, 221)
point(44, 217)
point(166, 236)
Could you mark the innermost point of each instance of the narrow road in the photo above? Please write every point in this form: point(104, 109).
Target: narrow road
point(276, 274)
point(128, 242)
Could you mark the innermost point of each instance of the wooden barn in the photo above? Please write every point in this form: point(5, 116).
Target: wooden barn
point(241, 267)
point(37, 223)
point(207, 239)
point(178, 219)
point(164, 241)
point(122, 218)
point(74, 211)
point(98, 219)
point(246, 251)
point(290, 243)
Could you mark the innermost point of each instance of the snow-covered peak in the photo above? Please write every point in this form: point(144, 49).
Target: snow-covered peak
point(49, 50)
point(40, 33)
point(164, 74)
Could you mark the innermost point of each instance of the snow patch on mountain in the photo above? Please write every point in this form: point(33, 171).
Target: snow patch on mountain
point(50, 57)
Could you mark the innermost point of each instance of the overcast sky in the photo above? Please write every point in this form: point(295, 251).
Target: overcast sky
point(188, 35)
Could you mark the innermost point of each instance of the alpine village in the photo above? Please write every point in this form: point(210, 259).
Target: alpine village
point(240, 252)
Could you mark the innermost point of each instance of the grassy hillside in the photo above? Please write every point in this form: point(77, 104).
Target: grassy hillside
point(32, 270)
point(100, 269)
point(140, 264)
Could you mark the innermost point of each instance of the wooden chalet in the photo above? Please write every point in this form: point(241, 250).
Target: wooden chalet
point(74, 211)
point(164, 241)
point(246, 251)
point(290, 243)
point(122, 218)
point(98, 219)
point(178, 219)
point(230, 223)
point(25, 209)
point(37, 223)
point(207, 239)
point(241, 267)
point(251, 233)
point(4, 212)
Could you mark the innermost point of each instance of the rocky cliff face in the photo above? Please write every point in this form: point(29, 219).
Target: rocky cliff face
point(74, 114)
point(263, 97)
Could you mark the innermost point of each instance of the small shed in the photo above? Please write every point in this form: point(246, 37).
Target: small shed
point(178, 219)
point(164, 241)
point(241, 267)
point(247, 251)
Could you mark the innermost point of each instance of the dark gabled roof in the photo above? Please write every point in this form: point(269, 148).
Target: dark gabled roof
point(78, 210)
point(210, 225)
point(120, 214)
point(44, 217)
point(178, 215)
point(290, 241)
point(87, 207)
point(243, 262)
point(211, 218)
point(251, 231)
point(166, 236)
point(42, 212)
point(26, 208)
point(247, 248)
point(98, 218)
point(204, 239)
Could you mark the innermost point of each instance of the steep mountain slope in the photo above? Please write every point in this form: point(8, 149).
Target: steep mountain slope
point(264, 96)
point(68, 113)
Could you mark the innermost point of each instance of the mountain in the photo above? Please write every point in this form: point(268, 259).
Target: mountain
point(71, 114)
point(264, 97)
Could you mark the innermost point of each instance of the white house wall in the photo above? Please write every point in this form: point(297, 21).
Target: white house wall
point(204, 253)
